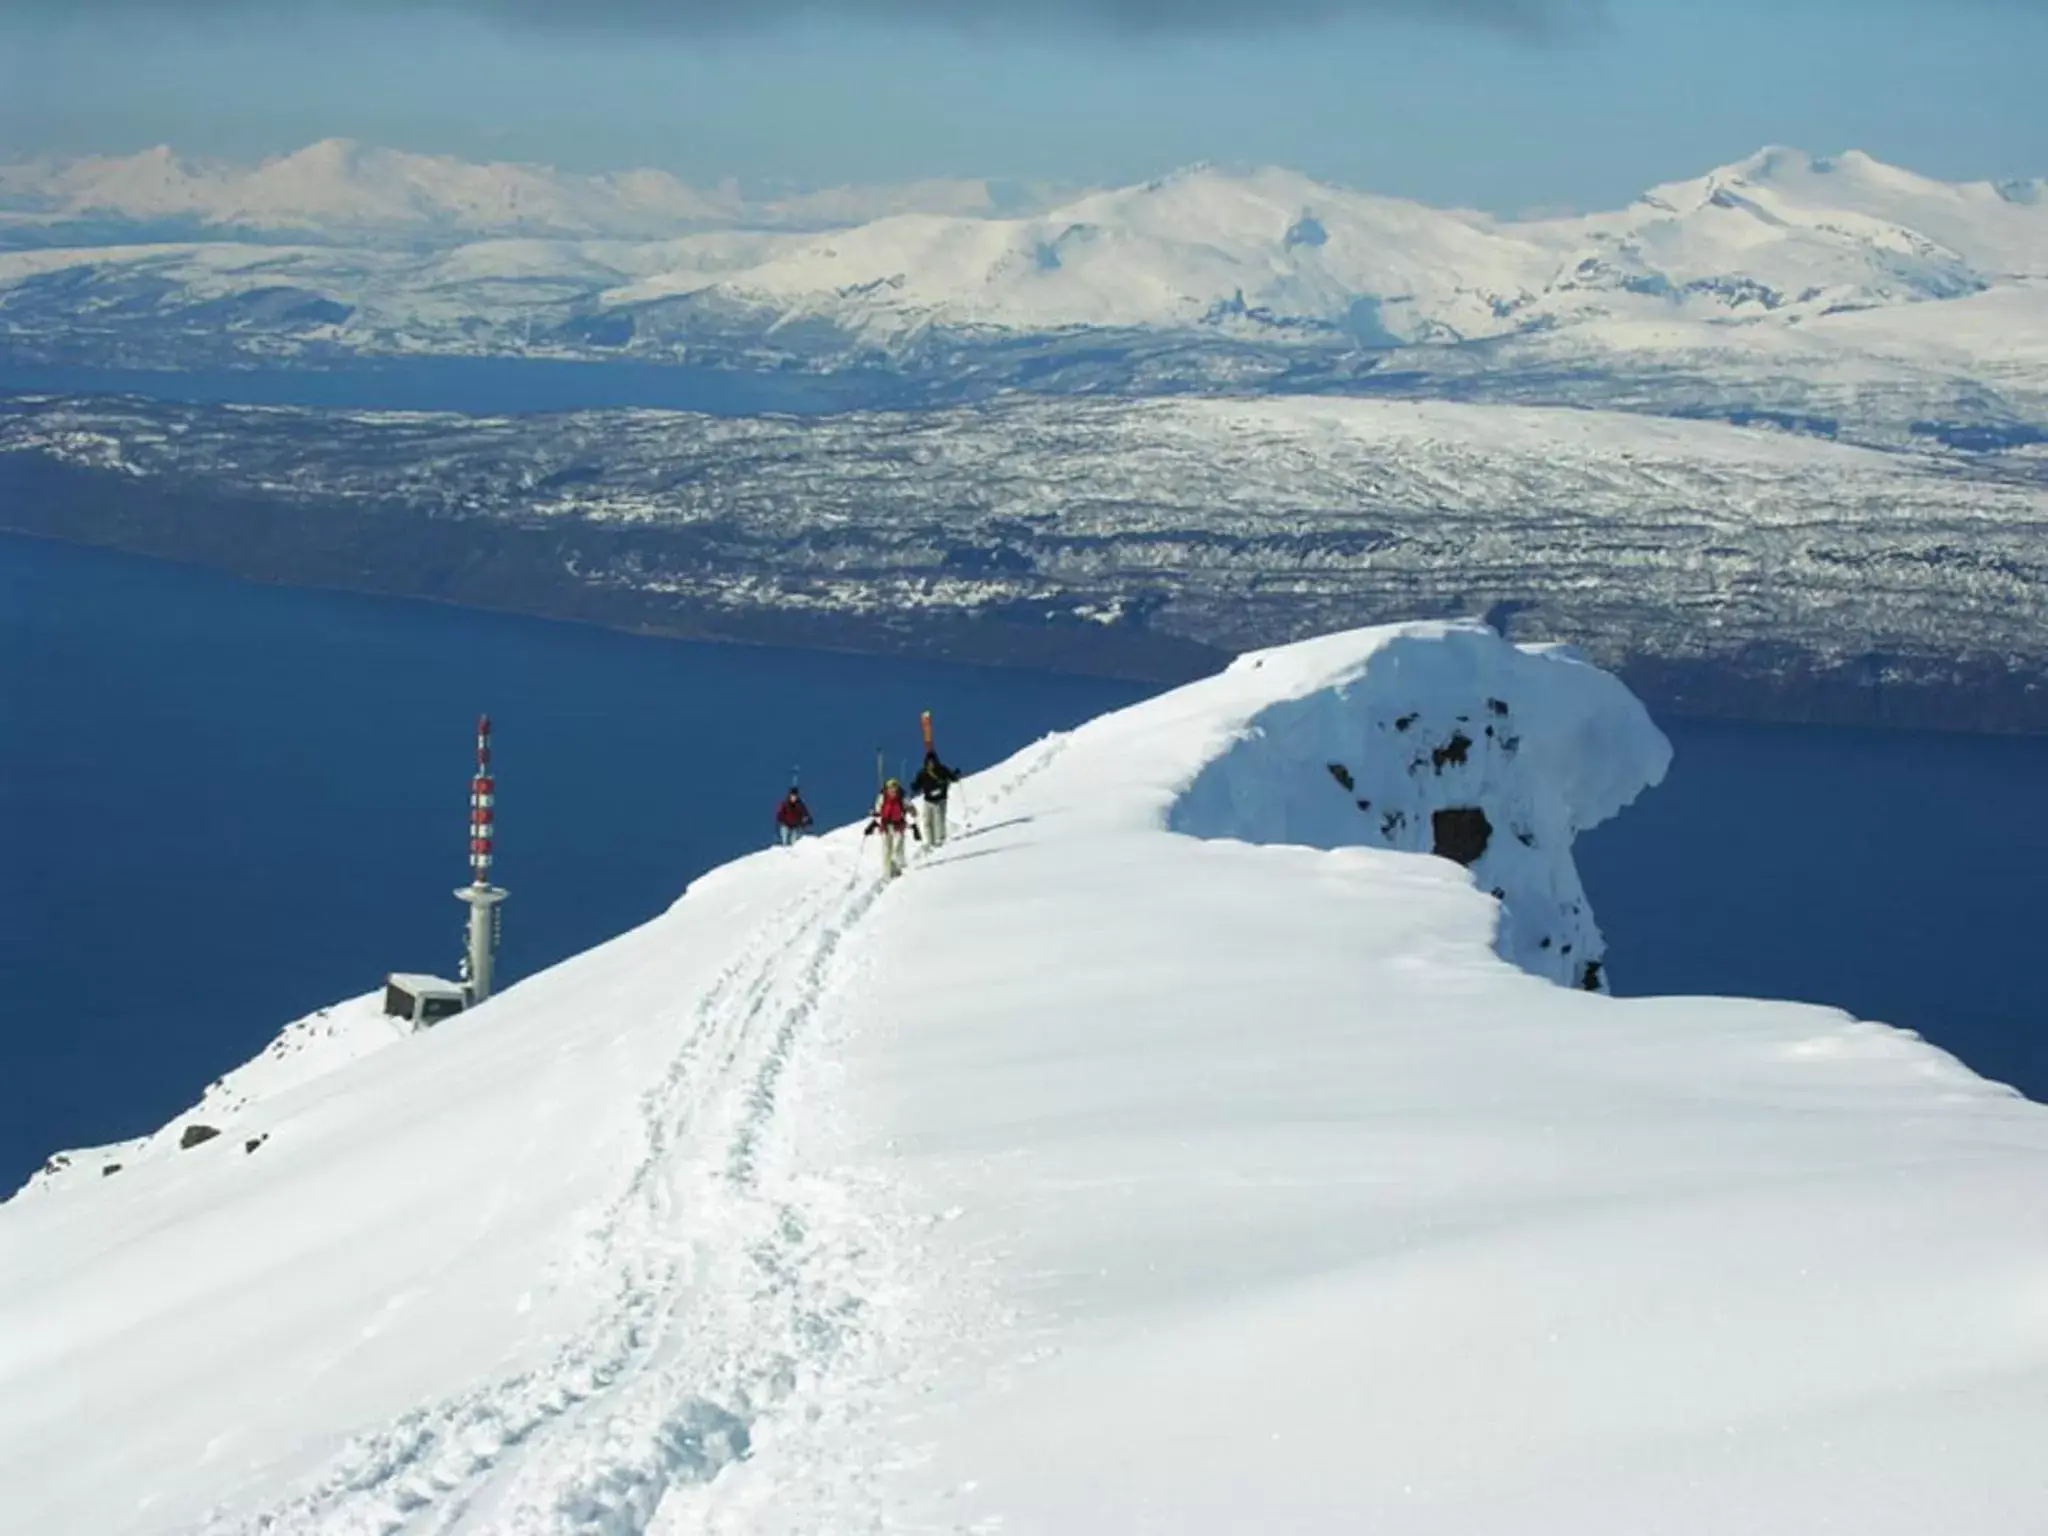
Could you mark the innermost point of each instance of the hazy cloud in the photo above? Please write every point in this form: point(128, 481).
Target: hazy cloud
point(1533, 19)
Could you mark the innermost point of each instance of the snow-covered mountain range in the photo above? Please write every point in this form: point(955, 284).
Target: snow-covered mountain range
point(1838, 301)
point(1178, 1148)
point(339, 190)
point(1781, 273)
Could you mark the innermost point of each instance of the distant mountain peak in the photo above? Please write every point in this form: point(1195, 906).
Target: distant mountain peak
point(334, 148)
point(1767, 163)
point(1194, 170)
point(1262, 254)
point(341, 190)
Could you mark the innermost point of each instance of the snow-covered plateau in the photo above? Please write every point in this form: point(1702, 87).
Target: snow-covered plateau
point(1180, 1147)
point(1838, 292)
point(1721, 569)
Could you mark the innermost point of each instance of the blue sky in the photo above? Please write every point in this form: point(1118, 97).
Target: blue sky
point(1464, 111)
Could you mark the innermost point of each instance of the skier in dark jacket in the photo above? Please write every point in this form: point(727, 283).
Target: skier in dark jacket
point(931, 783)
point(792, 817)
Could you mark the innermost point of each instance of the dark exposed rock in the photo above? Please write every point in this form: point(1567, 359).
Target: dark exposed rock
point(1498, 706)
point(1365, 805)
point(1453, 751)
point(1391, 823)
point(1342, 775)
point(1526, 839)
point(107, 1168)
point(1461, 832)
point(1306, 230)
point(1589, 978)
point(1404, 722)
point(255, 1141)
point(194, 1135)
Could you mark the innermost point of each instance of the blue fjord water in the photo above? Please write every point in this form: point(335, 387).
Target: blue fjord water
point(224, 804)
point(1891, 873)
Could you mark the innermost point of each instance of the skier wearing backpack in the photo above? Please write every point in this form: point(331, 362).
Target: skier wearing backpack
point(792, 817)
point(891, 819)
point(931, 784)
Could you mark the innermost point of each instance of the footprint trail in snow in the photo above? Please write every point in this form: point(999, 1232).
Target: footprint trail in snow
point(740, 1283)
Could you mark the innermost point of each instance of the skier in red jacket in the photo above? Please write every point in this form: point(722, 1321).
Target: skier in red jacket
point(891, 819)
point(792, 817)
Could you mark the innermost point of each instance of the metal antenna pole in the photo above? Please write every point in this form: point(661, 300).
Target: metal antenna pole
point(480, 896)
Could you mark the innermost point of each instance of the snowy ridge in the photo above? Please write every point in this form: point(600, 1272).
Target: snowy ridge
point(308, 1048)
point(1094, 1177)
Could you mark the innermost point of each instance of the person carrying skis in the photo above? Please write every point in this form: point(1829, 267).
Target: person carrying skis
point(931, 784)
point(792, 817)
point(891, 818)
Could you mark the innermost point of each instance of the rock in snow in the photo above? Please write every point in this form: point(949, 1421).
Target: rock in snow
point(304, 1050)
point(1174, 1150)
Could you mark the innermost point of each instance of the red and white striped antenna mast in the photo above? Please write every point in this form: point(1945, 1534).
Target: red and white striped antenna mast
point(482, 796)
point(480, 896)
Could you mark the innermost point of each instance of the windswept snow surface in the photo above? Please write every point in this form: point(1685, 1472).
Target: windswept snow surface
point(1154, 1156)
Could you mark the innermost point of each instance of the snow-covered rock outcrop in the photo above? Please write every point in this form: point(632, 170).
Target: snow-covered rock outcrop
point(1443, 741)
point(1095, 1177)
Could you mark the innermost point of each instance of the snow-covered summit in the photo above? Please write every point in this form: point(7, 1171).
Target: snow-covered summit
point(1996, 226)
point(1173, 1149)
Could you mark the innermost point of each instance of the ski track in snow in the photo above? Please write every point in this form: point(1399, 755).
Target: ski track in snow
point(741, 1283)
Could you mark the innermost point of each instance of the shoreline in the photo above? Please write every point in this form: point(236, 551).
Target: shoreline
point(518, 571)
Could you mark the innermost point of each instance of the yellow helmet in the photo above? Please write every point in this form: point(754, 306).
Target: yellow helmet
point(892, 784)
